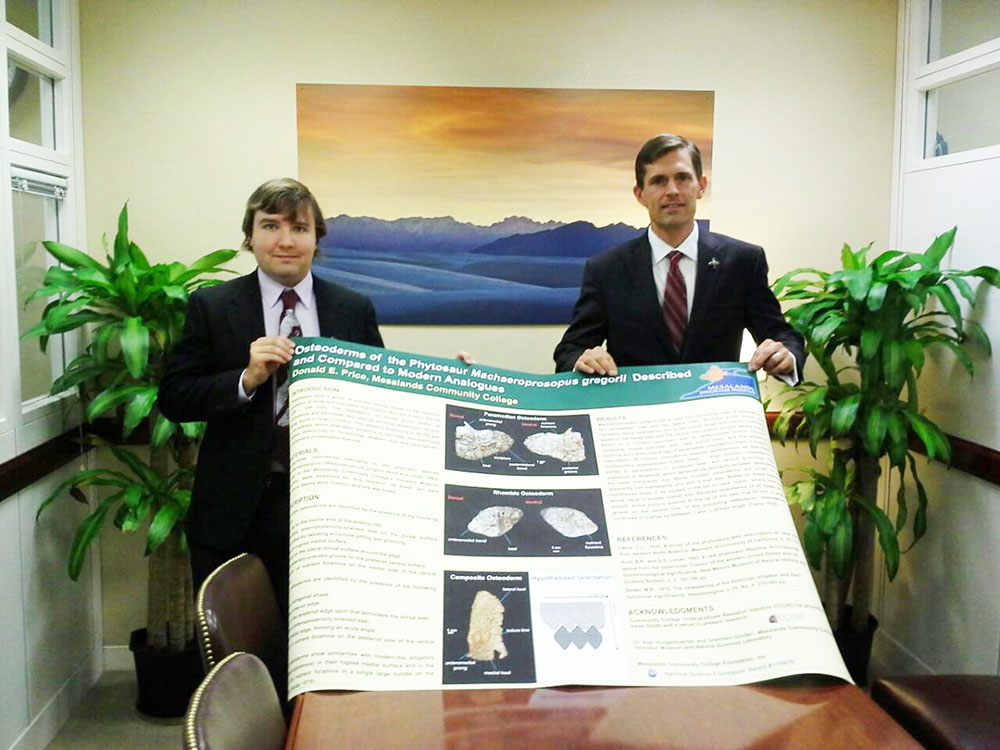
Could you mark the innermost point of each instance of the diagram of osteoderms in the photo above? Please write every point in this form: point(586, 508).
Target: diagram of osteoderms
point(506, 443)
point(488, 634)
point(524, 523)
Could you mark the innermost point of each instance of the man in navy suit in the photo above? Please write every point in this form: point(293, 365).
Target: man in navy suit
point(621, 317)
point(223, 371)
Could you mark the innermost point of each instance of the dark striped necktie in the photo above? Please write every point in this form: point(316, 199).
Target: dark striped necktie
point(288, 325)
point(675, 300)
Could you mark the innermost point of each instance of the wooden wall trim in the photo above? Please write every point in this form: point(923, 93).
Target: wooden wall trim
point(26, 469)
point(29, 467)
point(972, 458)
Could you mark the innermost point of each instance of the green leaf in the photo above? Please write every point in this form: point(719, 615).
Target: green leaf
point(100, 340)
point(135, 346)
point(920, 517)
point(847, 260)
point(975, 334)
point(175, 292)
point(781, 424)
point(138, 257)
point(70, 256)
point(43, 292)
point(110, 398)
point(894, 362)
point(876, 295)
point(840, 546)
point(95, 277)
point(183, 499)
point(987, 273)
point(914, 349)
point(901, 510)
point(934, 440)
point(127, 288)
point(57, 311)
point(74, 321)
point(805, 495)
point(950, 304)
point(887, 538)
point(161, 525)
point(898, 434)
point(885, 257)
point(858, 283)
point(205, 264)
point(138, 408)
point(870, 340)
point(875, 429)
point(142, 471)
point(122, 258)
point(961, 355)
point(819, 427)
point(964, 289)
point(931, 259)
point(832, 510)
point(844, 414)
point(812, 543)
point(85, 478)
point(822, 332)
point(192, 430)
point(162, 431)
point(86, 532)
point(814, 400)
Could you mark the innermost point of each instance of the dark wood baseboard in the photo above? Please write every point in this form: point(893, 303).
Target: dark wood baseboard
point(38, 462)
point(972, 458)
point(22, 471)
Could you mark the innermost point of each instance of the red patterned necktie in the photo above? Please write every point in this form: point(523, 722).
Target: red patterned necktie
point(675, 300)
point(288, 326)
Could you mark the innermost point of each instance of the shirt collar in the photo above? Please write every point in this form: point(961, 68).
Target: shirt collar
point(270, 290)
point(689, 247)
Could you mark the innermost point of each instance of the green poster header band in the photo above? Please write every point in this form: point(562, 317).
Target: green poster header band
point(452, 379)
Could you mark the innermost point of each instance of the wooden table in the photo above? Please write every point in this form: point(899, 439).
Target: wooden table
point(777, 715)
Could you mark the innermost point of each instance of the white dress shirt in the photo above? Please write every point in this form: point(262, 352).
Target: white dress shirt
point(270, 299)
point(688, 266)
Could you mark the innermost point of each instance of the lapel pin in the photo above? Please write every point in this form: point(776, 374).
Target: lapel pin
point(714, 263)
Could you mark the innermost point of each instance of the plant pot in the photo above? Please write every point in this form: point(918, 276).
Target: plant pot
point(856, 647)
point(166, 681)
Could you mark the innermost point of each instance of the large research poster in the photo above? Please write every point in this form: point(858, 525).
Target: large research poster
point(465, 526)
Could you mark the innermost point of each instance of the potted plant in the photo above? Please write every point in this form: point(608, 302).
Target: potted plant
point(867, 326)
point(134, 314)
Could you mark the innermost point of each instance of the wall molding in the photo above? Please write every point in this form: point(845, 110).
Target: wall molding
point(966, 456)
point(26, 469)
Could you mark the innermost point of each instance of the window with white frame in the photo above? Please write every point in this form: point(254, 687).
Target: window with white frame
point(39, 133)
point(35, 202)
point(955, 65)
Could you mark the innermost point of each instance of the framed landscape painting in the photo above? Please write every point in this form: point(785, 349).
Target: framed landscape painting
point(454, 205)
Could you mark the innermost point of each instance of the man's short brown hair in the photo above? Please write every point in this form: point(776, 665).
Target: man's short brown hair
point(285, 197)
point(662, 144)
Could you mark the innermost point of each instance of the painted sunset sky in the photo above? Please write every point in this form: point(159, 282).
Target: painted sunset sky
point(483, 154)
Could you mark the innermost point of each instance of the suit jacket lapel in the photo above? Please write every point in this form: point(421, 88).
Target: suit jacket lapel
point(327, 307)
point(705, 280)
point(246, 315)
point(246, 318)
point(641, 271)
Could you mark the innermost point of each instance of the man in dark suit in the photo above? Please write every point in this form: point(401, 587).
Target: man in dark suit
point(225, 369)
point(676, 294)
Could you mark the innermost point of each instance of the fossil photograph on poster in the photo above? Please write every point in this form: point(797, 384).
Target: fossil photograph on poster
point(471, 205)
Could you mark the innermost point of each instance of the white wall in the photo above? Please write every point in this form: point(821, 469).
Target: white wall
point(189, 105)
point(942, 613)
point(50, 625)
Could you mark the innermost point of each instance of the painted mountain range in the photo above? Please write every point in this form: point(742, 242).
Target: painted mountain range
point(441, 271)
